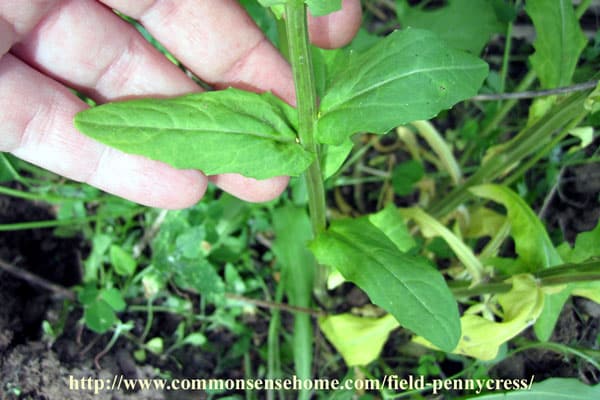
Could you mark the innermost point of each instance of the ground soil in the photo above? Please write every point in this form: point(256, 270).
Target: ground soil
point(30, 366)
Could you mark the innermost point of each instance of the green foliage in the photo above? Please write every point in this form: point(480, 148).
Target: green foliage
point(100, 307)
point(406, 76)
point(406, 286)
point(123, 263)
point(207, 266)
point(532, 243)
point(406, 175)
point(298, 270)
point(477, 20)
point(392, 225)
point(224, 131)
point(559, 41)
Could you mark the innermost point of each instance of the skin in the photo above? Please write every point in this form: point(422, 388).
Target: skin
point(47, 46)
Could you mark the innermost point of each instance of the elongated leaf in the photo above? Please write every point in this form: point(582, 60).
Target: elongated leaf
point(550, 389)
point(587, 245)
point(293, 231)
point(368, 335)
point(533, 246)
point(409, 75)
point(432, 228)
point(531, 239)
point(333, 157)
point(482, 338)
point(408, 287)
point(463, 24)
point(391, 223)
point(559, 41)
point(217, 132)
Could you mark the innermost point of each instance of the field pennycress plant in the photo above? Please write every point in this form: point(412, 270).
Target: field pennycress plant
point(409, 75)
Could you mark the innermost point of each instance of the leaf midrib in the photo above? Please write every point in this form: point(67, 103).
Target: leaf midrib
point(281, 139)
point(342, 238)
point(379, 84)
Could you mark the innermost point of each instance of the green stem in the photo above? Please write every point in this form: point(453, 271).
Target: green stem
point(306, 101)
point(523, 168)
point(527, 81)
point(561, 275)
point(19, 226)
point(528, 142)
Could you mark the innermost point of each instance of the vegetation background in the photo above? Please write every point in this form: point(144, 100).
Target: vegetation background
point(93, 285)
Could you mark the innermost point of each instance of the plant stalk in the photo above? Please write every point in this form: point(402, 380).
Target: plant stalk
point(306, 102)
point(528, 142)
point(560, 275)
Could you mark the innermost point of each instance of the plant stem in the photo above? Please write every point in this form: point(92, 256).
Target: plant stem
point(560, 275)
point(306, 101)
point(528, 142)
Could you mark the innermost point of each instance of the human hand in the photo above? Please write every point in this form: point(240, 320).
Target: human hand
point(82, 44)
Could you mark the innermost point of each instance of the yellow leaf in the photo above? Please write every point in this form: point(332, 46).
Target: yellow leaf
point(358, 339)
point(482, 338)
point(484, 222)
point(589, 290)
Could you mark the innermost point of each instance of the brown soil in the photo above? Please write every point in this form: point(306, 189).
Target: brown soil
point(30, 366)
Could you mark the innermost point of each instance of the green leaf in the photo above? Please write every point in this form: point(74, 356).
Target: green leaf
point(559, 41)
point(113, 298)
point(390, 222)
point(87, 294)
point(100, 245)
point(155, 345)
point(323, 7)
point(463, 24)
point(550, 389)
point(406, 175)
point(409, 75)
point(430, 227)
point(292, 233)
point(482, 338)
point(534, 247)
point(123, 262)
point(408, 287)
point(587, 245)
point(190, 242)
point(367, 338)
point(333, 157)
point(201, 276)
point(195, 339)
point(217, 132)
point(7, 171)
point(554, 301)
point(532, 244)
point(99, 316)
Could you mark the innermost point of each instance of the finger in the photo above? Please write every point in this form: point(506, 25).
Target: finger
point(216, 40)
point(249, 189)
point(37, 126)
point(110, 62)
point(336, 29)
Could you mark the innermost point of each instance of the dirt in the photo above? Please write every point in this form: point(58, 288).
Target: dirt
point(31, 367)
